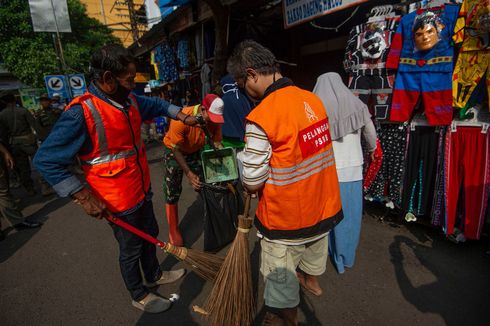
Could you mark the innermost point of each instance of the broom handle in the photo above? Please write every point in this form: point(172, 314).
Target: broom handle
point(246, 209)
point(111, 218)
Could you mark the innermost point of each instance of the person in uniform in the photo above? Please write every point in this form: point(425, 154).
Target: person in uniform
point(17, 125)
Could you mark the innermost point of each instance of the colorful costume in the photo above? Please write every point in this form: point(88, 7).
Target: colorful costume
point(365, 61)
point(472, 31)
point(428, 71)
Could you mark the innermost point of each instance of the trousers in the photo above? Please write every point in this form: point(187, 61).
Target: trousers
point(134, 251)
point(8, 208)
point(467, 167)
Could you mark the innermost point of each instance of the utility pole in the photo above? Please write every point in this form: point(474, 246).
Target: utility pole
point(102, 11)
point(132, 20)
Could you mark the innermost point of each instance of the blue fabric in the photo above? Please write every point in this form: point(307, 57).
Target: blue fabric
point(183, 53)
point(69, 137)
point(165, 60)
point(443, 48)
point(344, 237)
point(237, 107)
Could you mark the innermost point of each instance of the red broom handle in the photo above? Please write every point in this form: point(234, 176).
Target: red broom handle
point(132, 229)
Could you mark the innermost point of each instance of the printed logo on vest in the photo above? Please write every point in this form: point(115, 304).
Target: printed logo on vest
point(310, 114)
point(314, 138)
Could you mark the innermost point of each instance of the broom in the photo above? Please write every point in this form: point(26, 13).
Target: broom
point(231, 301)
point(204, 264)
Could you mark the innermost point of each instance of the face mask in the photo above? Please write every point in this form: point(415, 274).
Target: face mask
point(121, 92)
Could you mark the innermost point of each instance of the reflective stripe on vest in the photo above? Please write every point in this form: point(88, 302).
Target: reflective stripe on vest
point(315, 164)
point(110, 157)
point(105, 157)
point(99, 127)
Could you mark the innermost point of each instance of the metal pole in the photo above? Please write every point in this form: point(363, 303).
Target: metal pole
point(62, 57)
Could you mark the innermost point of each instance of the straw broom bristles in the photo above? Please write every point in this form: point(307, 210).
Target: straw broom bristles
point(231, 301)
point(206, 265)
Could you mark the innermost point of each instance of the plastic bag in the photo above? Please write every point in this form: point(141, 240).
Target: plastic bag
point(222, 205)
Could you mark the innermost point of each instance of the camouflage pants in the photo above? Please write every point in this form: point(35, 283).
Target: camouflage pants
point(172, 184)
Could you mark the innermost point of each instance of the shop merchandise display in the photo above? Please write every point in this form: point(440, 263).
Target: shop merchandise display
point(433, 128)
point(472, 33)
point(365, 62)
point(422, 52)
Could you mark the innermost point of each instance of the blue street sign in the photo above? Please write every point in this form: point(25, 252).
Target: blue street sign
point(77, 84)
point(57, 84)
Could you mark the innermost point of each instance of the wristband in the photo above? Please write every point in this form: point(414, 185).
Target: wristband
point(185, 118)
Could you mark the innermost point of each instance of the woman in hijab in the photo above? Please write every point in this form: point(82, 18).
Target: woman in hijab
point(348, 117)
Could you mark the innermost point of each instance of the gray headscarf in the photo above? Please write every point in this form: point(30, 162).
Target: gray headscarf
point(346, 113)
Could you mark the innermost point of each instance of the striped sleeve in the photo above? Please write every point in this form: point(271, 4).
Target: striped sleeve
point(256, 155)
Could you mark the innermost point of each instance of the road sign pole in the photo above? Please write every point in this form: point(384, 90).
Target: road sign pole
point(60, 47)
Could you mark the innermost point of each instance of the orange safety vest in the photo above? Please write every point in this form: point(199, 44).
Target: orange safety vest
point(116, 168)
point(301, 197)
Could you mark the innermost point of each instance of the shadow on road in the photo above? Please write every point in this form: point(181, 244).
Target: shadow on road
point(42, 214)
point(451, 296)
point(14, 241)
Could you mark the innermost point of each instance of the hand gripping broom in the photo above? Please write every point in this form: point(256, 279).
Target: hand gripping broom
point(231, 301)
point(204, 264)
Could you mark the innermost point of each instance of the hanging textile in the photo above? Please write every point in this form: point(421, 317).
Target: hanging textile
point(467, 160)
point(167, 68)
point(438, 205)
point(387, 184)
point(424, 68)
point(205, 79)
point(365, 61)
point(154, 64)
point(472, 33)
point(420, 171)
point(183, 53)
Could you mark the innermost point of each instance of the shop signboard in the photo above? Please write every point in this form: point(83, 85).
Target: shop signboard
point(30, 98)
point(300, 11)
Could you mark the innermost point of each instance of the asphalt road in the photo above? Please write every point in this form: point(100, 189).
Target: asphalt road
point(66, 273)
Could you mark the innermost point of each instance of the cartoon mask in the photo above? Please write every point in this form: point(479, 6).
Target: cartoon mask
point(426, 29)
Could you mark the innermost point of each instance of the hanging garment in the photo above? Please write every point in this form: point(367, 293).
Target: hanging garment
point(470, 69)
point(205, 81)
point(438, 206)
point(365, 62)
point(472, 33)
point(388, 182)
point(368, 47)
point(379, 88)
point(372, 169)
point(468, 167)
point(424, 71)
point(183, 53)
point(167, 68)
point(420, 171)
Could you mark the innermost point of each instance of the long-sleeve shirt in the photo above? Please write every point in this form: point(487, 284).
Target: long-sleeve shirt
point(348, 153)
point(16, 121)
point(70, 137)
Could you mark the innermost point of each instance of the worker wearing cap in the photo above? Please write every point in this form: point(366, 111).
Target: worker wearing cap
point(182, 146)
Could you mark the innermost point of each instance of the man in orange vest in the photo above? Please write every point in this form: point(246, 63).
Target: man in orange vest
point(103, 128)
point(182, 147)
point(288, 159)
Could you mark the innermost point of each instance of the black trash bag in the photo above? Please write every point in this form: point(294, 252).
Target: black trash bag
point(221, 209)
